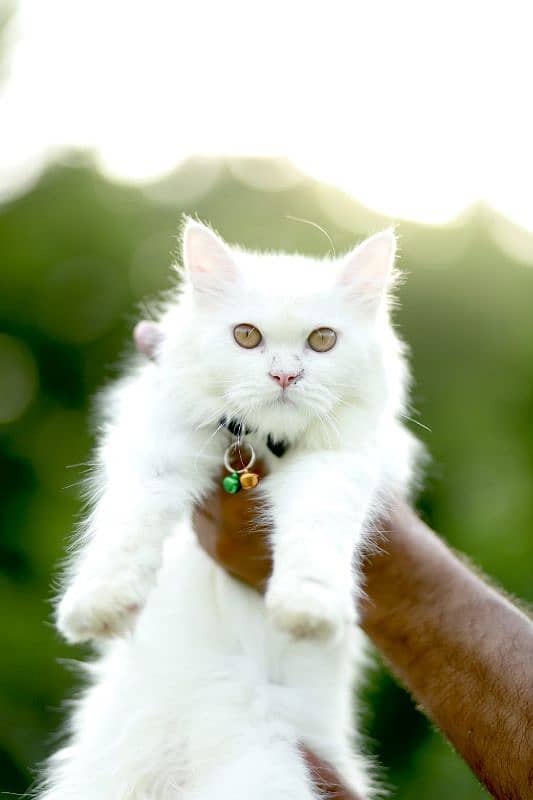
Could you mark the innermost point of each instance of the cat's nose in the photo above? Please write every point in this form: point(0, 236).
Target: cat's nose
point(285, 379)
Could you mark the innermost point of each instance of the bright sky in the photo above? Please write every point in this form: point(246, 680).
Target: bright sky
point(417, 109)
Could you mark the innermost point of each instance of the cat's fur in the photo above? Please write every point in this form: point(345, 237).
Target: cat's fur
point(204, 689)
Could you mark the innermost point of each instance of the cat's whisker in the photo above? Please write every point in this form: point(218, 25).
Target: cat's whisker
point(416, 422)
point(318, 227)
point(330, 419)
point(203, 447)
point(326, 421)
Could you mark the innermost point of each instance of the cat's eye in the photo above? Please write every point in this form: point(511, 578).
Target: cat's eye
point(322, 339)
point(247, 335)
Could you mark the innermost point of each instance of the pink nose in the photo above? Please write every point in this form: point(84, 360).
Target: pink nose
point(285, 379)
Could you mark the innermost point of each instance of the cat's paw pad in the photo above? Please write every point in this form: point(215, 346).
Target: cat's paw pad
point(308, 610)
point(99, 611)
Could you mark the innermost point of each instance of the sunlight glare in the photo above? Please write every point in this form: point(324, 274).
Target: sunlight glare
point(415, 109)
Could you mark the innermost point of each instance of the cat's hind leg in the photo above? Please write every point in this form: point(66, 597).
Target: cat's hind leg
point(269, 770)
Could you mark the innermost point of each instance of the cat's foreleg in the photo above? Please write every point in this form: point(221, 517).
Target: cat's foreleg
point(118, 555)
point(276, 770)
point(320, 503)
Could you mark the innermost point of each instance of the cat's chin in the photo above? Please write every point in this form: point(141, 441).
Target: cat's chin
point(282, 419)
point(282, 400)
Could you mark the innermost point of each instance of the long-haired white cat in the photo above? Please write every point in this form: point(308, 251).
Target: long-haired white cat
point(203, 689)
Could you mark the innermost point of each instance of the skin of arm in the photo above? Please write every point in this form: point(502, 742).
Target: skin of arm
point(463, 650)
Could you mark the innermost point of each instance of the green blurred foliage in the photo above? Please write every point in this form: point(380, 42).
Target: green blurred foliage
point(79, 254)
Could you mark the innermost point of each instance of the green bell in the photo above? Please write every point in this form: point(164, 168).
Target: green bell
point(231, 483)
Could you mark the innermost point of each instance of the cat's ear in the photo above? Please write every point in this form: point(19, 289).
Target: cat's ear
point(147, 337)
point(207, 259)
point(367, 271)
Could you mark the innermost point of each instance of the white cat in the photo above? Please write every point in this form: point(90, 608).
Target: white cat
point(204, 689)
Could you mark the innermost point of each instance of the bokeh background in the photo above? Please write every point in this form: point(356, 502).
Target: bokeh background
point(85, 241)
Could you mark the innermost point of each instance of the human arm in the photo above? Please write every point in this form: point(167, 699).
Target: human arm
point(463, 650)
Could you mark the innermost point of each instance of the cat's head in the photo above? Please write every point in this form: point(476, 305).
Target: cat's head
point(279, 340)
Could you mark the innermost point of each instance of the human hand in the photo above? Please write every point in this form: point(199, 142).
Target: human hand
point(229, 529)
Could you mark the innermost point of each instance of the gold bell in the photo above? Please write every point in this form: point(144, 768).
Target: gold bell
point(249, 480)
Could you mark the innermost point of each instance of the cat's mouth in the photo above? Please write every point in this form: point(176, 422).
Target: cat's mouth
point(281, 399)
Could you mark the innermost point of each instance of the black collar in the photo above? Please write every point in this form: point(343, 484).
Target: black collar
point(276, 446)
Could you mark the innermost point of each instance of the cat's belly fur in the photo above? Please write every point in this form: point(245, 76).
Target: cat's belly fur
point(203, 679)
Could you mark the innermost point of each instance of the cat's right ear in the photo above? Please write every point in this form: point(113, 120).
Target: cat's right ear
point(207, 260)
point(147, 337)
point(367, 273)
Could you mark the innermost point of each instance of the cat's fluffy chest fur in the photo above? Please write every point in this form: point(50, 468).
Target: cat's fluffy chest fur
point(206, 690)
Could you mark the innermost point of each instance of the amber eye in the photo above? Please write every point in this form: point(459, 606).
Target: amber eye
point(322, 339)
point(247, 335)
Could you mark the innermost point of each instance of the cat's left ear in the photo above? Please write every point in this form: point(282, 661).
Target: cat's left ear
point(207, 259)
point(367, 272)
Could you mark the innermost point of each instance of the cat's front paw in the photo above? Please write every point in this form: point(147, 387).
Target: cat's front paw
point(99, 610)
point(308, 609)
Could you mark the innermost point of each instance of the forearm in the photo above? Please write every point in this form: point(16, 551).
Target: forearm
point(311, 590)
point(126, 526)
point(462, 649)
point(116, 565)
